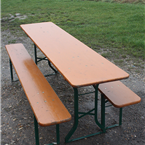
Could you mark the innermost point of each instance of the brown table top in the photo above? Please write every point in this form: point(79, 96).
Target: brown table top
point(79, 64)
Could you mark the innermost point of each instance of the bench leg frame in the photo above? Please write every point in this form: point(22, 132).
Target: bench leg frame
point(11, 71)
point(103, 114)
point(37, 133)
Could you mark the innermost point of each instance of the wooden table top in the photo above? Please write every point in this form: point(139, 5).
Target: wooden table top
point(79, 64)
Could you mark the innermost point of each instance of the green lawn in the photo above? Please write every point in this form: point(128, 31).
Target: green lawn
point(117, 27)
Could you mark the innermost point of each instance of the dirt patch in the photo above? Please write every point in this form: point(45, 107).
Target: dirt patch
point(17, 116)
point(11, 17)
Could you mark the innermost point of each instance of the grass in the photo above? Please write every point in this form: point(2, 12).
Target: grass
point(12, 41)
point(114, 26)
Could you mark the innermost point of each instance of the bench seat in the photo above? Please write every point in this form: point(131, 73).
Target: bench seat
point(46, 105)
point(118, 94)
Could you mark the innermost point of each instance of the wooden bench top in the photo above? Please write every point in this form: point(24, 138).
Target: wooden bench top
point(118, 94)
point(46, 105)
point(79, 64)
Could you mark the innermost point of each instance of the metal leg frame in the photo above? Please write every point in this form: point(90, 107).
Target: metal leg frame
point(11, 72)
point(37, 133)
point(52, 67)
point(120, 116)
point(103, 114)
point(76, 117)
point(38, 59)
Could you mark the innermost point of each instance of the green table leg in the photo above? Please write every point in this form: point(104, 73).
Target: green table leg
point(75, 116)
point(35, 53)
point(49, 63)
point(38, 59)
point(11, 70)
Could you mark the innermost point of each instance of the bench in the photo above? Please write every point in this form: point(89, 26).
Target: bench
point(46, 105)
point(118, 95)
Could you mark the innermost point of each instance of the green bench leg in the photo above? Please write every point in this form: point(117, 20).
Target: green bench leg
point(103, 115)
point(57, 134)
point(11, 72)
point(101, 125)
point(120, 116)
point(103, 112)
point(37, 133)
